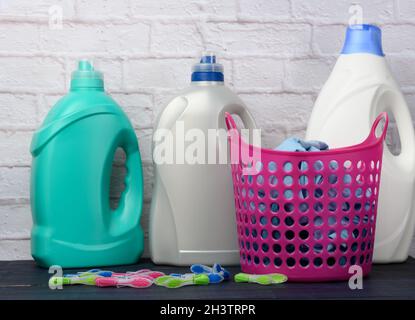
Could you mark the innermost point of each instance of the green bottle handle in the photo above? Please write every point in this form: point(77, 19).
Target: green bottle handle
point(128, 213)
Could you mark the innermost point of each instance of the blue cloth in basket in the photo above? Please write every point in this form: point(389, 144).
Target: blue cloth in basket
point(299, 145)
point(296, 144)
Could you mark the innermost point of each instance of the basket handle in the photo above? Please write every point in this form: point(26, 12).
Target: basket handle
point(230, 122)
point(379, 118)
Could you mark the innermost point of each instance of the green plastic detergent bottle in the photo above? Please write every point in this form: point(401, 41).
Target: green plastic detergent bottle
point(73, 152)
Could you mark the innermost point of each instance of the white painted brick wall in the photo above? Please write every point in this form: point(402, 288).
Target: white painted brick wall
point(258, 72)
point(276, 53)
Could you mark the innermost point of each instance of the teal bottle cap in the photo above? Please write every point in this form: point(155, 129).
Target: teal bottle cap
point(86, 76)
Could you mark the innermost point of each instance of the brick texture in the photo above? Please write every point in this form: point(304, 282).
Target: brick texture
point(277, 54)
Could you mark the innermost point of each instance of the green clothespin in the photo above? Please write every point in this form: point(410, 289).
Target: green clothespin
point(86, 280)
point(177, 282)
point(264, 279)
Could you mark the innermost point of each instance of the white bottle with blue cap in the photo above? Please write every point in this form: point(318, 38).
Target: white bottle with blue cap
point(358, 89)
point(192, 216)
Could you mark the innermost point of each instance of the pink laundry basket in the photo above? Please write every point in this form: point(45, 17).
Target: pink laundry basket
point(309, 215)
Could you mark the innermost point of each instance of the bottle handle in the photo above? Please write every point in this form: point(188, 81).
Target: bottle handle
point(398, 108)
point(246, 117)
point(128, 213)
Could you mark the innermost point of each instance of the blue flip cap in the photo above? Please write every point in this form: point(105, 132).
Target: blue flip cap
point(207, 69)
point(363, 38)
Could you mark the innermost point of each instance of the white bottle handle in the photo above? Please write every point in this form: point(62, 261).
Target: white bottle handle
point(393, 102)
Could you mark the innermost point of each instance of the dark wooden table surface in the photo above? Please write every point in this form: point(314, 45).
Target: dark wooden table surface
point(24, 280)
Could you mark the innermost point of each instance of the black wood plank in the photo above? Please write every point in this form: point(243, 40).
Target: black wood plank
point(24, 280)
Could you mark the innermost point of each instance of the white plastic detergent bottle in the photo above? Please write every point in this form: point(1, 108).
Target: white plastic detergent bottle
point(192, 216)
point(359, 88)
